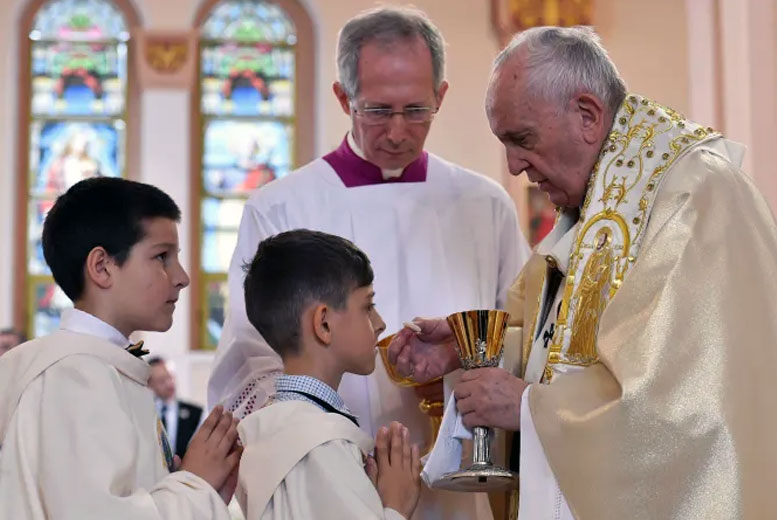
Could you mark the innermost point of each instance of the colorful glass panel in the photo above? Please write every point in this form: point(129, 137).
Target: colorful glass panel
point(220, 220)
point(78, 78)
point(249, 21)
point(49, 302)
point(240, 156)
point(79, 20)
point(78, 95)
point(247, 89)
point(64, 152)
point(215, 302)
point(247, 80)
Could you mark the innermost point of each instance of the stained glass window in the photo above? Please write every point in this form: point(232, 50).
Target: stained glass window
point(248, 57)
point(77, 107)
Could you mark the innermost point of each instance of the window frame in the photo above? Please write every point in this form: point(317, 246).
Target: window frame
point(303, 149)
point(23, 284)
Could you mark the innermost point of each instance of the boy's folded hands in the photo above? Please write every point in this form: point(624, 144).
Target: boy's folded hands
point(214, 452)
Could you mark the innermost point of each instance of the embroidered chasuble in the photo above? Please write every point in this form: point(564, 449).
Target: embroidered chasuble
point(653, 398)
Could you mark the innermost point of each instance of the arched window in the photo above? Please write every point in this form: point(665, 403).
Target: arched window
point(73, 125)
point(255, 107)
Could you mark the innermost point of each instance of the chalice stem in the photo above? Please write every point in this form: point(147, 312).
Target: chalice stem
point(481, 447)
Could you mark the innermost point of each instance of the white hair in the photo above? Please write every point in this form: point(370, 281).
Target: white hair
point(561, 62)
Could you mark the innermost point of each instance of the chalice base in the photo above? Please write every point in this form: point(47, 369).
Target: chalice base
point(477, 478)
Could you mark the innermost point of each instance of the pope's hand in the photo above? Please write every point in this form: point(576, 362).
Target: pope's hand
point(490, 397)
point(427, 354)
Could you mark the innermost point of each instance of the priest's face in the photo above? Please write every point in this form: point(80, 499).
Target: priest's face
point(355, 331)
point(394, 77)
point(556, 146)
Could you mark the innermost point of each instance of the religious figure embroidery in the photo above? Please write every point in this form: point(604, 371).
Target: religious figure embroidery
point(592, 296)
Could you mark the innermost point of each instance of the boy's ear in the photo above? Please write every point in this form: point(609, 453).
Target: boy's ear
point(98, 267)
point(322, 326)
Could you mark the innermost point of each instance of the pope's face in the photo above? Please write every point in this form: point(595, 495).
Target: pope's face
point(398, 77)
point(540, 138)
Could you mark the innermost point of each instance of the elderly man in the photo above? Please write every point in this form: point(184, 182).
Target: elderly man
point(441, 238)
point(642, 388)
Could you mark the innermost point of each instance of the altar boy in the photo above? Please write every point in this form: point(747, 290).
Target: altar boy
point(310, 296)
point(79, 431)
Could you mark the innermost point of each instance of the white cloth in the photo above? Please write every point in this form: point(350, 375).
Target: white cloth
point(301, 463)
point(541, 497)
point(81, 438)
point(450, 243)
point(447, 451)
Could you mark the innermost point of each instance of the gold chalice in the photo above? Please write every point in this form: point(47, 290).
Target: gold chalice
point(429, 407)
point(480, 338)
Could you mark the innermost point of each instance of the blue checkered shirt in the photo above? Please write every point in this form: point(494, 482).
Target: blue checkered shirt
point(286, 387)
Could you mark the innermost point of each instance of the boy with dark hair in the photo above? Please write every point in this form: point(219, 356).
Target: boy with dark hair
point(81, 437)
point(310, 296)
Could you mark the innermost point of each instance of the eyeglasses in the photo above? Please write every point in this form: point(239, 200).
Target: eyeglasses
point(382, 115)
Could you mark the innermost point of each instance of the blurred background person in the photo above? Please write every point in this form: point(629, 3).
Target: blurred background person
point(179, 418)
point(9, 338)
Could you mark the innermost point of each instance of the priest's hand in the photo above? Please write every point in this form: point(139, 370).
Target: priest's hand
point(211, 454)
point(490, 397)
point(425, 350)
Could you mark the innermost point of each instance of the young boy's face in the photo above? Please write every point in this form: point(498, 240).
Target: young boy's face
point(146, 287)
point(355, 332)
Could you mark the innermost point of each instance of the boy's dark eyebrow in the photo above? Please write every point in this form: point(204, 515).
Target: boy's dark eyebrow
point(166, 245)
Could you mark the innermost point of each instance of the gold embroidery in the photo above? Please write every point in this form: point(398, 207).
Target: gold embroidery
point(592, 295)
point(645, 142)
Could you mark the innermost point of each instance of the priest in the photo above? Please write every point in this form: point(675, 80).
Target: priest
point(441, 238)
point(642, 387)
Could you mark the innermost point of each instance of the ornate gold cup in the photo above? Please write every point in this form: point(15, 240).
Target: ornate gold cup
point(429, 407)
point(480, 338)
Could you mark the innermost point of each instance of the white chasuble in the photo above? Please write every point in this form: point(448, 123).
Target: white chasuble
point(81, 438)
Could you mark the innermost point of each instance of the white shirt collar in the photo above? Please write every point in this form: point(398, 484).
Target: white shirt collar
point(82, 322)
point(557, 245)
point(387, 174)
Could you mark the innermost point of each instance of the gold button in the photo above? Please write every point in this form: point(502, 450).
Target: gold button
point(551, 262)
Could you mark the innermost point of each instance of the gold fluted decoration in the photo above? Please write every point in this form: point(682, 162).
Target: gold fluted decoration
point(429, 407)
point(513, 16)
point(480, 337)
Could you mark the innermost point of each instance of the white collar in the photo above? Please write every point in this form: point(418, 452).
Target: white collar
point(387, 174)
point(556, 247)
point(75, 320)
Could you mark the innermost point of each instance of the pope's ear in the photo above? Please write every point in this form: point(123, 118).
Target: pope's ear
point(592, 113)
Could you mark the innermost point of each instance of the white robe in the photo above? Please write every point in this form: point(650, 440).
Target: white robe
point(81, 438)
point(450, 243)
point(301, 463)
